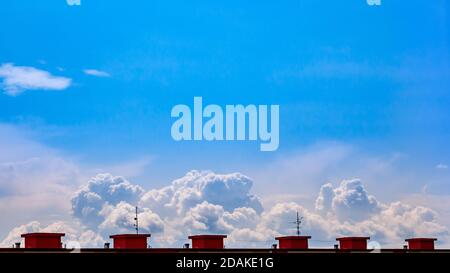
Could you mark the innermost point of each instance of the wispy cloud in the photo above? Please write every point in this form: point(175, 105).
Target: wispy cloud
point(441, 166)
point(410, 69)
point(96, 73)
point(17, 79)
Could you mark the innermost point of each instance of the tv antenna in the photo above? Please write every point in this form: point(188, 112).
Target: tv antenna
point(136, 221)
point(298, 222)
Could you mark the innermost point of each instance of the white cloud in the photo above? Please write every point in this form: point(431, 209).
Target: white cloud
point(205, 202)
point(324, 201)
point(34, 178)
point(389, 224)
point(242, 217)
point(73, 232)
point(349, 201)
point(17, 79)
point(117, 219)
point(14, 235)
point(228, 190)
point(441, 166)
point(297, 176)
point(96, 73)
point(206, 218)
point(389, 227)
point(37, 181)
point(102, 190)
point(278, 220)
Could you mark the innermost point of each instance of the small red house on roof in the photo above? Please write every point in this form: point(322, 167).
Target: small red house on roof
point(207, 241)
point(353, 243)
point(43, 240)
point(293, 242)
point(421, 243)
point(130, 241)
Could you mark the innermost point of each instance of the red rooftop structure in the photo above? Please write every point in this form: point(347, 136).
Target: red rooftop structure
point(293, 242)
point(421, 243)
point(353, 243)
point(130, 241)
point(207, 241)
point(43, 240)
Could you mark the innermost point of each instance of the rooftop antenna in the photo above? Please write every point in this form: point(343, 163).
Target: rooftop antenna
point(298, 222)
point(136, 221)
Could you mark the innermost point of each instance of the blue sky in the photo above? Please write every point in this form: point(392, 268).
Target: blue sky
point(371, 79)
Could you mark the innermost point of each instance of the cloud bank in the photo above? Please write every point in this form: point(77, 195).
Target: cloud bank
point(203, 202)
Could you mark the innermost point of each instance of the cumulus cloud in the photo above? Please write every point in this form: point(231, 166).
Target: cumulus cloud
point(278, 220)
point(96, 73)
point(403, 220)
point(242, 217)
point(14, 235)
point(349, 202)
point(325, 199)
point(390, 226)
point(227, 190)
point(117, 219)
point(17, 79)
point(73, 232)
point(102, 190)
point(206, 217)
point(210, 203)
point(205, 202)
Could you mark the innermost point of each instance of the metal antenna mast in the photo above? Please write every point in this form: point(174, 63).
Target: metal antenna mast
point(298, 222)
point(136, 221)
